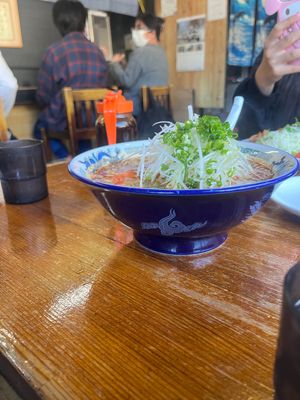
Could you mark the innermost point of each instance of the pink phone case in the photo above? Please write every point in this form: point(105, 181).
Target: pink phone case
point(285, 10)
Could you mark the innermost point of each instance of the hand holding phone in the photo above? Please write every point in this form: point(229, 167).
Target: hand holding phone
point(286, 9)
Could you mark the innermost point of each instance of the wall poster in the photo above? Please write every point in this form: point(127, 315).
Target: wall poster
point(168, 8)
point(10, 30)
point(190, 47)
point(216, 9)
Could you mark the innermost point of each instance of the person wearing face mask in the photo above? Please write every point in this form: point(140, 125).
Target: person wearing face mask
point(147, 64)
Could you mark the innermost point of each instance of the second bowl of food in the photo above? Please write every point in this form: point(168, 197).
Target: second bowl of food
point(182, 191)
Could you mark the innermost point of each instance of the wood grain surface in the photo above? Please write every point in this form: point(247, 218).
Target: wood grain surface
point(209, 84)
point(86, 313)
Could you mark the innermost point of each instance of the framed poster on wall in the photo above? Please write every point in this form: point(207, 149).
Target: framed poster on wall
point(190, 48)
point(10, 29)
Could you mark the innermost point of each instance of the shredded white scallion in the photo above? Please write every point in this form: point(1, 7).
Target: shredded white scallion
point(197, 154)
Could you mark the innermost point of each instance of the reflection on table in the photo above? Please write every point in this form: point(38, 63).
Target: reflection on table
point(86, 313)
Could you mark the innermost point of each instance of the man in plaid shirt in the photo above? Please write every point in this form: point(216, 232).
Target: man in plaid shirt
point(73, 61)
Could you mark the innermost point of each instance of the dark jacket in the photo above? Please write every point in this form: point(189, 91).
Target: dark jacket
point(272, 112)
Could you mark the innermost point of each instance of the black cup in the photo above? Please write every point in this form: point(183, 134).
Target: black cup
point(23, 171)
point(287, 363)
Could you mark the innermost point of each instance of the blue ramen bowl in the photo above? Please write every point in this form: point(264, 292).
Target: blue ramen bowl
point(181, 222)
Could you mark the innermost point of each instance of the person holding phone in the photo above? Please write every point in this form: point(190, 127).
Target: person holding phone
point(272, 92)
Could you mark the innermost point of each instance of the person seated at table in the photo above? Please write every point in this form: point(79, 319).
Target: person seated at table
point(272, 92)
point(8, 92)
point(147, 64)
point(72, 61)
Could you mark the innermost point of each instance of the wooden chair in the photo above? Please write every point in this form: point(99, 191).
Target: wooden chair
point(81, 115)
point(3, 124)
point(160, 93)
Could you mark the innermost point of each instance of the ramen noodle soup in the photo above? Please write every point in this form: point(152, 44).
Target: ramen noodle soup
point(201, 153)
point(124, 172)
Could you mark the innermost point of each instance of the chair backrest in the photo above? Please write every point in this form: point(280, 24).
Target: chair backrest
point(160, 93)
point(3, 124)
point(81, 113)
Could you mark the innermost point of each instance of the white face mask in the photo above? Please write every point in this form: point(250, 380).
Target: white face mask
point(138, 37)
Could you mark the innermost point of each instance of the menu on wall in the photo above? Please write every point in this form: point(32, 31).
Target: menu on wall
point(216, 9)
point(10, 31)
point(168, 7)
point(190, 48)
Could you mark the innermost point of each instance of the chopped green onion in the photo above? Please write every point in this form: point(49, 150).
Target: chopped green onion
point(199, 153)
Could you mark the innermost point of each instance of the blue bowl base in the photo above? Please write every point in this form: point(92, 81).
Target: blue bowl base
point(180, 246)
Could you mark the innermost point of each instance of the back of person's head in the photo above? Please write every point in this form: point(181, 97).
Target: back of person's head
point(152, 22)
point(69, 16)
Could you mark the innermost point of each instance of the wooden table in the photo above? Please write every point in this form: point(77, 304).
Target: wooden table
point(86, 313)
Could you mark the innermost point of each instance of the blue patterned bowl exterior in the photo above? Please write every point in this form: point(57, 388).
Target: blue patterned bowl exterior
point(181, 222)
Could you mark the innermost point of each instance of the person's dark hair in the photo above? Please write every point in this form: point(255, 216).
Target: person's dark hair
point(69, 16)
point(152, 22)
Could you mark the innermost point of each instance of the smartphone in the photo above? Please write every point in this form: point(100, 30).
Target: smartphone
point(285, 9)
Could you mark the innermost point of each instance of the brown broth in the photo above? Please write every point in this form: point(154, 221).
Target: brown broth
point(124, 173)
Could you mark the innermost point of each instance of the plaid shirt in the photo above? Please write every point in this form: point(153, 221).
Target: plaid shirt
point(73, 61)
